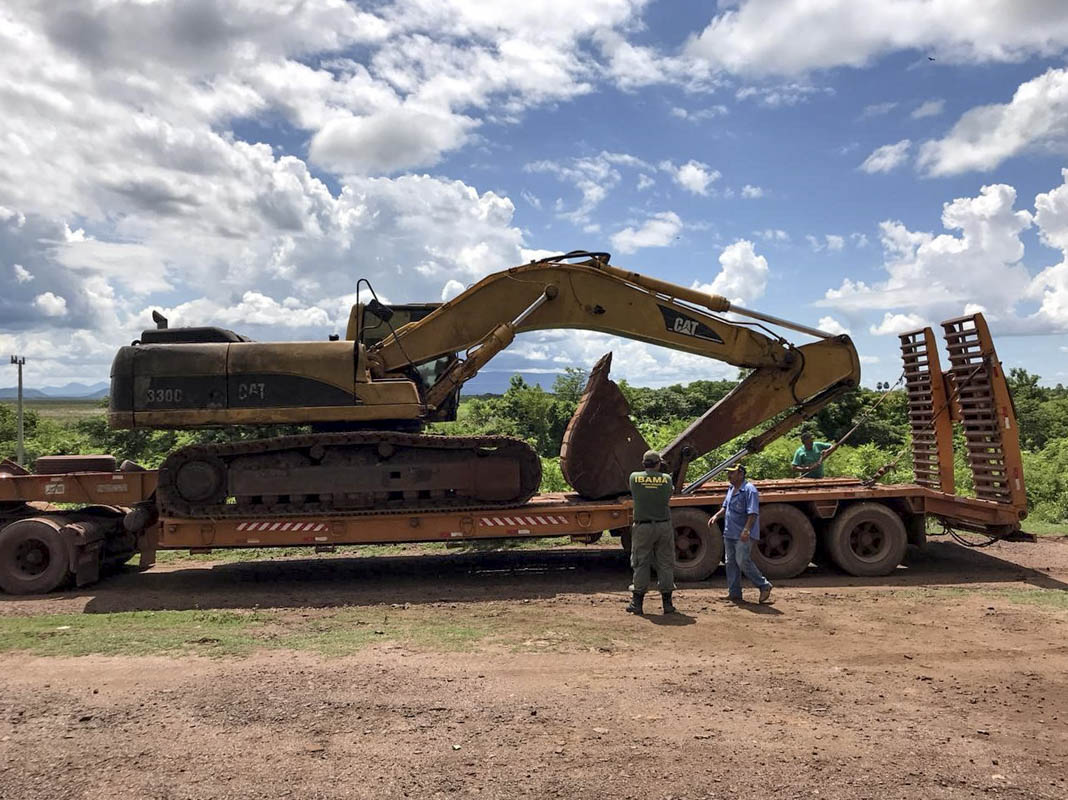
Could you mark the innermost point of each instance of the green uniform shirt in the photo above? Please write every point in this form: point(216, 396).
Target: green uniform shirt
point(651, 491)
point(803, 457)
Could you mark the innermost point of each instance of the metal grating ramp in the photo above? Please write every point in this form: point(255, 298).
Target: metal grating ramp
point(928, 409)
point(976, 370)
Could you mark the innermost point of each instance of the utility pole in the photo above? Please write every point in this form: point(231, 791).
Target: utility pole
point(19, 453)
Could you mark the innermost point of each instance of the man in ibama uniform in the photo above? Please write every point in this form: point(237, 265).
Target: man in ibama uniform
point(653, 535)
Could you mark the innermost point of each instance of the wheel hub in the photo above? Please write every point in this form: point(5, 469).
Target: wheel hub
point(32, 557)
point(775, 541)
point(867, 541)
point(687, 545)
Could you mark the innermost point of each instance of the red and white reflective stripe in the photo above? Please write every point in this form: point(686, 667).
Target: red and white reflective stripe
point(282, 526)
point(546, 519)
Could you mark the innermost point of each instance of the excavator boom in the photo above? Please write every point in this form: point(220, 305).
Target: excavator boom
point(601, 444)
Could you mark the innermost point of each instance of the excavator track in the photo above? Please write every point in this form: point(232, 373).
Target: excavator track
point(358, 473)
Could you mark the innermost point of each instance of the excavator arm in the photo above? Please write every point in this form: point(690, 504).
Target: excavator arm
point(582, 290)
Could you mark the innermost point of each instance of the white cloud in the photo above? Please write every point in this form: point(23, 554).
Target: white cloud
point(791, 37)
point(877, 109)
point(743, 275)
point(22, 275)
point(637, 362)
point(658, 230)
point(830, 241)
point(533, 254)
point(645, 182)
point(929, 108)
point(979, 269)
point(693, 176)
point(752, 192)
point(124, 121)
point(253, 308)
point(985, 136)
point(897, 323)
point(773, 235)
point(594, 177)
point(388, 141)
point(887, 157)
point(868, 359)
point(51, 305)
point(781, 95)
point(1050, 286)
point(831, 325)
point(700, 114)
point(633, 66)
point(451, 289)
point(859, 239)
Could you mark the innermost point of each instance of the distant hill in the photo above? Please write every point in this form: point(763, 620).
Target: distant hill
point(484, 383)
point(92, 391)
point(497, 382)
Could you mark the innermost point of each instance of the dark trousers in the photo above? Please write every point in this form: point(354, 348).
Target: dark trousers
point(649, 542)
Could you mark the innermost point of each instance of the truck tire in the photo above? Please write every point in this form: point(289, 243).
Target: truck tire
point(787, 541)
point(698, 548)
point(33, 556)
point(867, 540)
point(624, 540)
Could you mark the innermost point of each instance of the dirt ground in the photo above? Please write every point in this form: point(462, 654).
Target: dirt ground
point(948, 679)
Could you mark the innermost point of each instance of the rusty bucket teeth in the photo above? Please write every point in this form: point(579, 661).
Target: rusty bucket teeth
point(601, 445)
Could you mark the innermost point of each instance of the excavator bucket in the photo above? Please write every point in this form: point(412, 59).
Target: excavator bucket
point(601, 445)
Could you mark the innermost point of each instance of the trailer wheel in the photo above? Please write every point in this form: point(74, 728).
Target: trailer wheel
point(698, 548)
point(867, 539)
point(33, 557)
point(787, 541)
point(624, 539)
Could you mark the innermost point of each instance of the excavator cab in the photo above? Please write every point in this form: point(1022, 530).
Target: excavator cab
point(371, 323)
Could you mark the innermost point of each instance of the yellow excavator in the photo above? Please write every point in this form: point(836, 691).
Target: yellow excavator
point(367, 397)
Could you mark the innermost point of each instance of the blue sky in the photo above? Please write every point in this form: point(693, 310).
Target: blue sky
point(244, 163)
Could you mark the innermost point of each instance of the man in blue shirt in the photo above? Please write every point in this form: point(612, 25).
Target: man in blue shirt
point(741, 527)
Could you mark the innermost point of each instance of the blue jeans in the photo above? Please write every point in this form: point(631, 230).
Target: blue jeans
point(738, 561)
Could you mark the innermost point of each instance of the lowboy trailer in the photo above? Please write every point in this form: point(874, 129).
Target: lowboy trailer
point(107, 513)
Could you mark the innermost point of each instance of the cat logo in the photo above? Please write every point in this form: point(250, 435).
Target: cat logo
point(687, 326)
point(677, 322)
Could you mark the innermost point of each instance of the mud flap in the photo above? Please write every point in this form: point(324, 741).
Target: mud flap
point(601, 445)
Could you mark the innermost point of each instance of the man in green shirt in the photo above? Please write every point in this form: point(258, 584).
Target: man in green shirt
point(808, 454)
point(653, 535)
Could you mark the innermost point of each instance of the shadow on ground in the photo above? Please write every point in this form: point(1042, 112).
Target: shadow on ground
point(476, 577)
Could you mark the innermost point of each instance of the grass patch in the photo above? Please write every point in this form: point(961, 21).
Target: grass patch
point(131, 633)
point(1039, 528)
point(60, 409)
point(1056, 599)
point(335, 632)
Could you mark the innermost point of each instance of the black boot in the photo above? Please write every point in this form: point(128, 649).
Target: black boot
point(668, 607)
point(636, 600)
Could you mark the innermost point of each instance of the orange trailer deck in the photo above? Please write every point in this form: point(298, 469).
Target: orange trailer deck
point(556, 515)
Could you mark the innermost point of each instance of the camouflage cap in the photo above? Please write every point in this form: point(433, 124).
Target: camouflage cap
point(651, 458)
